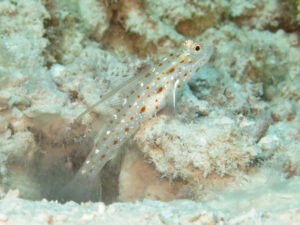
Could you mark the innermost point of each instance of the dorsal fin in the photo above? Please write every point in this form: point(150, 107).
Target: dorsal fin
point(129, 84)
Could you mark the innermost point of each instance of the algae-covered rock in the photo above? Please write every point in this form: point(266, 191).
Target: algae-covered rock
point(228, 143)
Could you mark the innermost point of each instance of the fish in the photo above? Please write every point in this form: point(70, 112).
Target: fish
point(142, 98)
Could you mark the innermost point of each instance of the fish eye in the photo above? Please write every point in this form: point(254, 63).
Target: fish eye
point(197, 48)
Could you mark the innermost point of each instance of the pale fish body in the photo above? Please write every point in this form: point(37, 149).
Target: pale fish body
point(149, 94)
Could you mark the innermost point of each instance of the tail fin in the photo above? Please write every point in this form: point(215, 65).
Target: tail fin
point(82, 189)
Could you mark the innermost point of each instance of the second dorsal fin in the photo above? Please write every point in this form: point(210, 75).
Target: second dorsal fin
point(129, 84)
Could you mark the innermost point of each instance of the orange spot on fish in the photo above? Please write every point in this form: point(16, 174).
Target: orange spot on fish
point(171, 70)
point(143, 109)
point(159, 90)
point(126, 129)
point(115, 142)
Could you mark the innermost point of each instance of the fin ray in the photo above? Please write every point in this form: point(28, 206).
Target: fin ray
point(131, 82)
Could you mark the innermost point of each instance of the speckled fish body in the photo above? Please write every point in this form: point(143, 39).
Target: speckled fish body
point(142, 101)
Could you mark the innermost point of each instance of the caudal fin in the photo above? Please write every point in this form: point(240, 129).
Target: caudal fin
point(82, 189)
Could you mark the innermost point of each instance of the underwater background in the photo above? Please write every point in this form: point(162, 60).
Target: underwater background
point(228, 152)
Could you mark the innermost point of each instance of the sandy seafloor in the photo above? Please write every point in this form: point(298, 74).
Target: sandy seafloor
point(227, 154)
